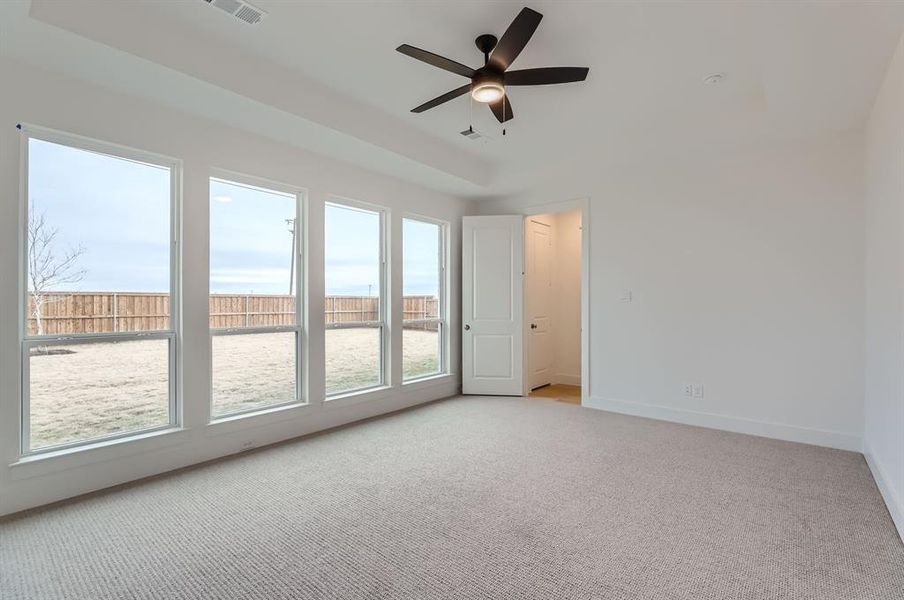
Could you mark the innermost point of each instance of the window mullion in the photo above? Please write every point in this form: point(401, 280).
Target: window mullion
point(355, 324)
point(252, 330)
point(423, 321)
point(76, 338)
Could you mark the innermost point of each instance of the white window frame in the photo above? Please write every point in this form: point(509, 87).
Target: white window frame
point(384, 297)
point(301, 290)
point(172, 334)
point(442, 319)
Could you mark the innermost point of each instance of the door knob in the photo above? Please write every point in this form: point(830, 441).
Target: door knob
point(533, 325)
point(467, 327)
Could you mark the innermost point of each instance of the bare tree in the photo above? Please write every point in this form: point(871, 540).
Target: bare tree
point(47, 268)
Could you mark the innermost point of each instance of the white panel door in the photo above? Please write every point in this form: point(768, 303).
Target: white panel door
point(493, 305)
point(539, 304)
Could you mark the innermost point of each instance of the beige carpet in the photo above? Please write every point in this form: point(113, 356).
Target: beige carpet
point(478, 498)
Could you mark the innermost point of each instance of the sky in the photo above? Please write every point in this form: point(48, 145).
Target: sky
point(117, 211)
point(250, 239)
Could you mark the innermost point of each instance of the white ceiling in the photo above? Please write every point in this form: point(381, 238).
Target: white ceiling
point(325, 75)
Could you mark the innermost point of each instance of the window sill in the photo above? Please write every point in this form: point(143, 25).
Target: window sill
point(356, 396)
point(257, 418)
point(388, 391)
point(34, 465)
point(426, 380)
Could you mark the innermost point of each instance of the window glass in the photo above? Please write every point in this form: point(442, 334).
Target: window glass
point(353, 279)
point(421, 262)
point(98, 249)
point(421, 350)
point(422, 284)
point(253, 287)
point(82, 392)
point(98, 343)
point(252, 256)
point(353, 359)
point(253, 371)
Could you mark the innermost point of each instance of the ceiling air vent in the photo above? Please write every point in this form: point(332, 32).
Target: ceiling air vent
point(477, 136)
point(240, 10)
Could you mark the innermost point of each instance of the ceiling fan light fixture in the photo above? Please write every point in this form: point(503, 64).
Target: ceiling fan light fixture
point(488, 91)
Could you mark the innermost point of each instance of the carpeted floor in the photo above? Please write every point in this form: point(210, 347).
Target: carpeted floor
point(475, 498)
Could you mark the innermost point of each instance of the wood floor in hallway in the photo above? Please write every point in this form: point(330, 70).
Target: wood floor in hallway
point(570, 394)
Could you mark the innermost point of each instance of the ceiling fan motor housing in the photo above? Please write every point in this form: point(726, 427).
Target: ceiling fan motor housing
point(486, 76)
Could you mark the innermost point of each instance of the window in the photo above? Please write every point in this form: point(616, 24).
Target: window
point(424, 305)
point(354, 303)
point(255, 323)
point(100, 311)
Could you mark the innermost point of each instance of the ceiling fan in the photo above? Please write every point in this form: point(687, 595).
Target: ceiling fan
point(488, 83)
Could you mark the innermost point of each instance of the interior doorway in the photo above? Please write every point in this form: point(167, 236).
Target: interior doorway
point(495, 316)
point(553, 298)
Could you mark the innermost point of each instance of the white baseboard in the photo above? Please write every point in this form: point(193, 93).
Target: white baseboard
point(892, 501)
point(791, 433)
point(567, 379)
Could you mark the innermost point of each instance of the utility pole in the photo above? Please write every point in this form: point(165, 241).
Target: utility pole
point(290, 223)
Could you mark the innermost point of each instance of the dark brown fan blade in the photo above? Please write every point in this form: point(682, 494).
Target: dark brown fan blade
point(515, 38)
point(546, 75)
point(502, 106)
point(444, 98)
point(437, 61)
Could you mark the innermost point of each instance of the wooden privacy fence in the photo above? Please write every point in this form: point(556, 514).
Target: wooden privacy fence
point(251, 310)
point(63, 313)
point(98, 312)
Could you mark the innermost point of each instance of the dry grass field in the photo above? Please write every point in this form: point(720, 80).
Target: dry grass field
point(117, 387)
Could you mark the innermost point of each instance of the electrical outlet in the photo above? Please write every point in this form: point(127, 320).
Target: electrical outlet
point(697, 390)
point(688, 390)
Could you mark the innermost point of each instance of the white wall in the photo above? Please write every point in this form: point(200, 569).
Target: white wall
point(883, 441)
point(51, 100)
point(747, 276)
point(567, 286)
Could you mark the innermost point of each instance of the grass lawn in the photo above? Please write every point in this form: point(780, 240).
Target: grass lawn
point(116, 387)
